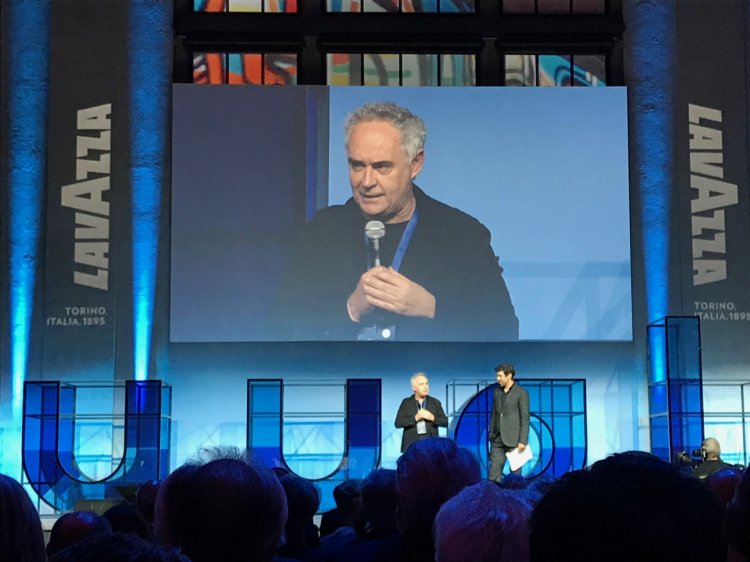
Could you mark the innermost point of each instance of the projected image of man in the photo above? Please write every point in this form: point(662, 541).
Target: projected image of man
point(425, 269)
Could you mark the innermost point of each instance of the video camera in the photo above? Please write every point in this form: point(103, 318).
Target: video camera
point(691, 459)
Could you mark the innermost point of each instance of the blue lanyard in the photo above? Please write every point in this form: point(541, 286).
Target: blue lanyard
point(403, 245)
point(423, 405)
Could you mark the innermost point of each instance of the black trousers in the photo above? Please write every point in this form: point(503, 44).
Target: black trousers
point(498, 456)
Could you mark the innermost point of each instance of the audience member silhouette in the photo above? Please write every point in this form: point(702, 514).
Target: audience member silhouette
point(126, 518)
point(302, 500)
point(74, 527)
point(723, 483)
point(380, 503)
point(146, 499)
point(349, 505)
point(429, 473)
point(108, 547)
point(631, 507)
point(378, 517)
point(483, 523)
point(737, 522)
point(230, 509)
point(21, 536)
point(514, 482)
point(542, 483)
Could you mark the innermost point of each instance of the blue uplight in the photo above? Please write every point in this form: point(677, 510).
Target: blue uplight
point(150, 90)
point(28, 92)
point(652, 30)
point(657, 345)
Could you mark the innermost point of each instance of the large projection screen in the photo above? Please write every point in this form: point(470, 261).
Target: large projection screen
point(522, 227)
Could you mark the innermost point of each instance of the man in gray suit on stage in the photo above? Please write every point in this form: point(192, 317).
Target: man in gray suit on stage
point(509, 422)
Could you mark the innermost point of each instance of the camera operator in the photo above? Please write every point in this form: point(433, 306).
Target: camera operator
point(711, 454)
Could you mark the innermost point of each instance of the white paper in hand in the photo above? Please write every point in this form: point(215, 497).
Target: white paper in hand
point(517, 460)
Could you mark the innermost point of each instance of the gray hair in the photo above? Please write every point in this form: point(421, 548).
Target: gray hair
point(418, 375)
point(412, 128)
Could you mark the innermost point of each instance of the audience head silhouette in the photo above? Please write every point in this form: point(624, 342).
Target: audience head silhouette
point(108, 547)
point(21, 536)
point(429, 473)
point(628, 507)
point(125, 518)
point(224, 508)
point(483, 523)
point(74, 527)
point(348, 500)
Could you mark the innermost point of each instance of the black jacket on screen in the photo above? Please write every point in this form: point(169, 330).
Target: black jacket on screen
point(449, 255)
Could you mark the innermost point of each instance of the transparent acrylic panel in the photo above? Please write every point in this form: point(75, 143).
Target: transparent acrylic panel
point(658, 399)
point(264, 420)
point(381, 70)
point(265, 398)
point(554, 70)
point(685, 397)
point(314, 430)
point(545, 398)
point(723, 398)
point(732, 435)
point(683, 348)
point(458, 70)
point(660, 438)
point(562, 398)
point(520, 70)
point(344, 69)
point(314, 446)
point(419, 70)
point(166, 401)
point(579, 397)
point(687, 432)
point(98, 448)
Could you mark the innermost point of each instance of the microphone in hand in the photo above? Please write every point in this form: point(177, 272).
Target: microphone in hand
point(375, 230)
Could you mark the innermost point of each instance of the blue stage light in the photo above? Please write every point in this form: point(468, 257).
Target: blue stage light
point(28, 92)
point(652, 30)
point(150, 90)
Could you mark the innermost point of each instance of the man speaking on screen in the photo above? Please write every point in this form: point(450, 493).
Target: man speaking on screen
point(392, 263)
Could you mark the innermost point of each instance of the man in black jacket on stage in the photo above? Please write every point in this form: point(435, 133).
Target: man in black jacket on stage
point(419, 416)
point(509, 422)
point(438, 278)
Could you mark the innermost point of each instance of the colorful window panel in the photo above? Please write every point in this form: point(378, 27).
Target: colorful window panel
point(400, 70)
point(403, 6)
point(267, 6)
point(554, 6)
point(245, 68)
point(555, 70)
